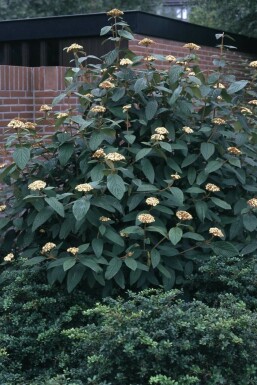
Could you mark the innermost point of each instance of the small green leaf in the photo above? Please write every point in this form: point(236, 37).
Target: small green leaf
point(21, 157)
point(131, 263)
point(142, 153)
point(194, 236)
point(34, 261)
point(148, 169)
point(65, 152)
point(140, 85)
point(97, 245)
point(116, 185)
point(90, 263)
point(56, 205)
point(126, 34)
point(113, 236)
point(201, 210)
point(224, 249)
point(250, 222)
point(175, 235)
point(207, 150)
point(105, 30)
point(221, 203)
point(189, 160)
point(151, 109)
point(69, 263)
point(237, 86)
point(213, 165)
point(113, 268)
point(155, 258)
point(41, 218)
point(118, 94)
point(80, 208)
point(74, 276)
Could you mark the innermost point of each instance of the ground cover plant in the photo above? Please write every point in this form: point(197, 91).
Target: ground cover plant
point(150, 182)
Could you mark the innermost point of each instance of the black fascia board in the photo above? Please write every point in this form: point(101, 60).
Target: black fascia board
point(89, 25)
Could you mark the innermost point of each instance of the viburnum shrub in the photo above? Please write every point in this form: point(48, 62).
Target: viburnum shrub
point(155, 169)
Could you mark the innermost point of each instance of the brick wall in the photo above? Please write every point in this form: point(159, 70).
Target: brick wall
point(24, 89)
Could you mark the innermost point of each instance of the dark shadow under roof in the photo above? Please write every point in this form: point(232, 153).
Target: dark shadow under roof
point(143, 23)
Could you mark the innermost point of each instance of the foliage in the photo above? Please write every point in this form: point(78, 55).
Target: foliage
point(15, 9)
point(156, 170)
point(50, 337)
point(32, 316)
point(238, 17)
point(220, 275)
point(159, 339)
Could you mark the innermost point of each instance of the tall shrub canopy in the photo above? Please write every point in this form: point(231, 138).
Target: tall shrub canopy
point(154, 170)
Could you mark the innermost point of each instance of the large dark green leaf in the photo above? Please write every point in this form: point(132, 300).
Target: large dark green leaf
point(116, 185)
point(21, 156)
point(80, 208)
point(41, 218)
point(151, 109)
point(207, 150)
point(74, 276)
point(175, 235)
point(113, 268)
point(56, 205)
point(224, 249)
point(65, 152)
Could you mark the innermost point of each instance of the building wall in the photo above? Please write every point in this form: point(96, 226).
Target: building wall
point(24, 89)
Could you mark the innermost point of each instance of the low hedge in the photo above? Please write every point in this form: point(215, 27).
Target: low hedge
point(50, 337)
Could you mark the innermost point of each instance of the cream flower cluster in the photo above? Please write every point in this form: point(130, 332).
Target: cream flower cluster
point(46, 108)
point(9, 257)
point(234, 151)
point(62, 115)
point(161, 130)
point(246, 111)
point(146, 42)
point(114, 157)
point(216, 232)
point(74, 47)
point(170, 58)
point(115, 13)
point(219, 85)
point(253, 64)
point(16, 123)
point(3, 165)
point(37, 185)
point(157, 137)
point(125, 62)
point(126, 107)
point(175, 176)
point(99, 109)
point(212, 187)
point(187, 130)
point(218, 121)
point(98, 153)
point(253, 102)
point(73, 250)
point(252, 202)
point(106, 85)
point(149, 58)
point(192, 46)
point(48, 247)
point(104, 219)
point(146, 218)
point(152, 201)
point(2, 207)
point(184, 215)
point(30, 125)
point(84, 187)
